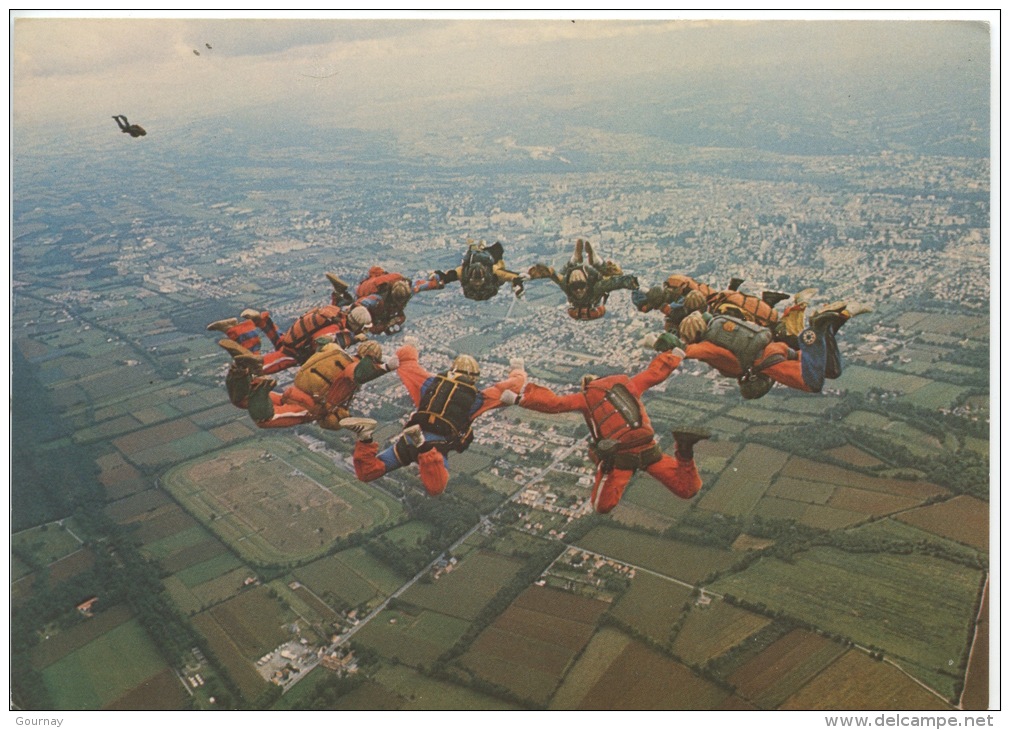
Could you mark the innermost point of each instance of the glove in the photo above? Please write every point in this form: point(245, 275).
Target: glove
point(412, 341)
point(648, 342)
point(668, 341)
point(610, 268)
point(360, 337)
point(517, 363)
point(517, 285)
point(392, 363)
point(509, 397)
point(440, 275)
point(634, 282)
point(540, 271)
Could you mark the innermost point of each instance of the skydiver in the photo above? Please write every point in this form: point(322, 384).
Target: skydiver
point(134, 130)
point(586, 283)
point(745, 351)
point(322, 390)
point(622, 439)
point(482, 272)
point(446, 405)
point(298, 342)
point(680, 295)
point(385, 295)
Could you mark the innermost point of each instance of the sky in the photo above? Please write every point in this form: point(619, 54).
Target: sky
point(72, 74)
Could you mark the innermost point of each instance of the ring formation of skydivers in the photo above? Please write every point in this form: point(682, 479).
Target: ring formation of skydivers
point(741, 336)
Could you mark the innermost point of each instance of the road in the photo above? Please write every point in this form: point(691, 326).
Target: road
point(427, 569)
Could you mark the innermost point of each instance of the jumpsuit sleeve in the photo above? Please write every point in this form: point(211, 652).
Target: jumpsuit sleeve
point(427, 284)
point(367, 369)
point(661, 367)
point(411, 373)
point(612, 283)
point(492, 395)
point(538, 398)
point(503, 274)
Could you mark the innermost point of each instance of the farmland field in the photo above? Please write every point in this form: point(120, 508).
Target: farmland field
point(536, 637)
point(59, 645)
point(801, 491)
point(829, 518)
point(915, 608)
point(686, 562)
point(163, 691)
point(415, 640)
point(468, 588)
point(104, 669)
point(650, 496)
point(652, 605)
point(241, 669)
point(709, 632)
point(207, 570)
point(813, 471)
point(964, 519)
point(741, 485)
point(47, 542)
point(870, 502)
point(854, 456)
point(168, 522)
point(334, 582)
point(857, 682)
point(162, 547)
point(134, 506)
point(424, 693)
point(605, 646)
point(253, 621)
point(192, 554)
point(660, 684)
point(785, 666)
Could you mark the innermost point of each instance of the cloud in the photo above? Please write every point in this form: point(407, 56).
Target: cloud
point(379, 73)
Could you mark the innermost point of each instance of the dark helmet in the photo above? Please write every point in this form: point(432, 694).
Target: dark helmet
point(755, 385)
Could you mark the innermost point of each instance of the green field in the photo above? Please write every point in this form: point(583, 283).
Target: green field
point(645, 492)
point(861, 379)
point(652, 605)
point(101, 671)
point(589, 669)
point(916, 608)
point(46, 543)
point(686, 562)
point(181, 540)
point(350, 578)
point(415, 640)
point(424, 693)
point(209, 569)
point(742, 484)
point(468, 588)
point(710, 631)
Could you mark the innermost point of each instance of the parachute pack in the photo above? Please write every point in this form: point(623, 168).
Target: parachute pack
point(746, 340)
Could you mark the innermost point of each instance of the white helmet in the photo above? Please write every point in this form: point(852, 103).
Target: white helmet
point(359, 318)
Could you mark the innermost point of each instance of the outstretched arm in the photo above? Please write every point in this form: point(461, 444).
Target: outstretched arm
point(611, 283)
point(492, 396)
point(661, 367)
point(427, 284)
point(538, 398)
point(411, 373)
